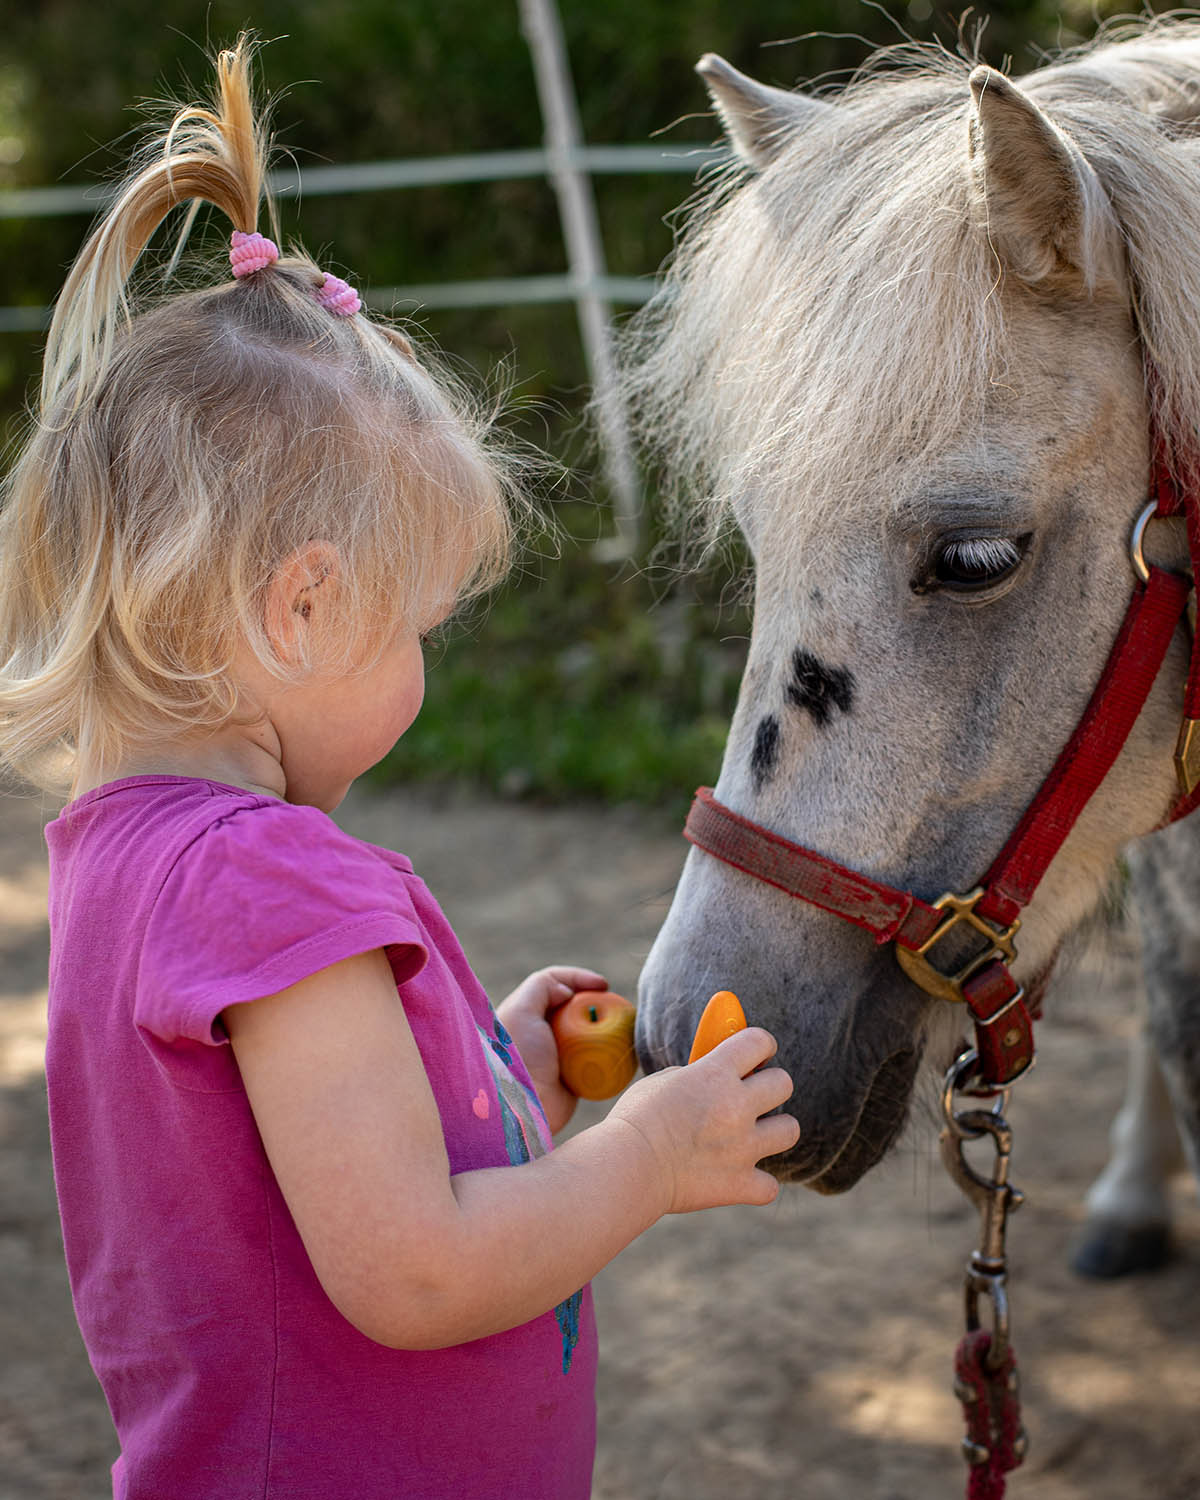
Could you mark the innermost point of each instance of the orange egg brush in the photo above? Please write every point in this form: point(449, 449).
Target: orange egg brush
point(723, 1015)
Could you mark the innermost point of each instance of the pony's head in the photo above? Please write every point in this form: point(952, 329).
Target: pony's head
point(903, 347)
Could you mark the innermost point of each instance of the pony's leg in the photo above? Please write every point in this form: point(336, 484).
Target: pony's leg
point(1165, 884)
point(1128, 1206)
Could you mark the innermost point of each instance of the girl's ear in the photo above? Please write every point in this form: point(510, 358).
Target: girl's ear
point(301, 598)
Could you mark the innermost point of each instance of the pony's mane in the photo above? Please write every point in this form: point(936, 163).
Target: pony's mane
point(828, 325)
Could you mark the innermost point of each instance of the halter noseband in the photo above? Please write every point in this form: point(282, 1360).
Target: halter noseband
point(999, 1007)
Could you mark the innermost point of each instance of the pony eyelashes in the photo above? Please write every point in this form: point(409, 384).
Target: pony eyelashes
point(254, 252)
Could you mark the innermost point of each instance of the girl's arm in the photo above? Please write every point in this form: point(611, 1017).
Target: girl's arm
point(418, 1259)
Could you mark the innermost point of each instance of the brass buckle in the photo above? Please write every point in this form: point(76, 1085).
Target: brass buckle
point(1187, 756)
point(935, 982)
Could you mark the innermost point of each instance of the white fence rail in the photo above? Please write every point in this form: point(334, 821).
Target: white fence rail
point(378, 176)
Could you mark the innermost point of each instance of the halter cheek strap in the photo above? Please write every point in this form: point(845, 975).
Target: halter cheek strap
point(985, 984)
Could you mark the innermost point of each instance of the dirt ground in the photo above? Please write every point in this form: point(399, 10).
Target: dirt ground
point(800, 1351)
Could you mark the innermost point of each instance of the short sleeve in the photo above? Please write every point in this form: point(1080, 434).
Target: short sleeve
point(262, 898)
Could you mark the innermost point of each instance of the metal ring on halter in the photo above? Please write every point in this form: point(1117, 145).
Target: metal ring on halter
point(1136, 540)
point(958, 1080)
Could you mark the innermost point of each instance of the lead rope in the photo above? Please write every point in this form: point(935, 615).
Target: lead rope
point(985, 1364)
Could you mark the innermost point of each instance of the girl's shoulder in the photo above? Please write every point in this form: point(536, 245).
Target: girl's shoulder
point(203, 866)
point(225, 895)
point(157, 819)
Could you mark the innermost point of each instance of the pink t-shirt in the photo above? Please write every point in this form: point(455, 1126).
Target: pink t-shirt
point(228, 1372)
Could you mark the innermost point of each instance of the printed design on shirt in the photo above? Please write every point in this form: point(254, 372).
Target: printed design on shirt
point(526, 1136)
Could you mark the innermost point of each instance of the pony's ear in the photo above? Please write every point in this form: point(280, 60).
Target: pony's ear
point(758, 119)
point(1046, 214)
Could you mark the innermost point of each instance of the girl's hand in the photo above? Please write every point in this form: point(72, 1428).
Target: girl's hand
point(704, 1123)
point(524, 1014)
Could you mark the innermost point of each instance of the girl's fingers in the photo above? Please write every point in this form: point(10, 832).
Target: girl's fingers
point(747, 1050)
point(577, 979)
point(768, 1089)
point(765, 1189)
point(548, 988)
point(776, 1133)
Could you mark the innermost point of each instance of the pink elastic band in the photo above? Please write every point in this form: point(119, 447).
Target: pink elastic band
point(251, 252)
point(338, 296)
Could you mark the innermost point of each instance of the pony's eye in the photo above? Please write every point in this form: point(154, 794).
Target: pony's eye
point(973, 564)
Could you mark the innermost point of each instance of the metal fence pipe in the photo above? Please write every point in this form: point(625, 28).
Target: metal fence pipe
point(376, 176)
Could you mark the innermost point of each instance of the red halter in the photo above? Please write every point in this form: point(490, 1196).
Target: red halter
point(998, 1005)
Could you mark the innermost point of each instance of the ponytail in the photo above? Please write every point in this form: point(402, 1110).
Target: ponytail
point(214, 155)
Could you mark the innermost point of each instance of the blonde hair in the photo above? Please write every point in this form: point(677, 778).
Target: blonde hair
point(181, 454)
point(830, 327)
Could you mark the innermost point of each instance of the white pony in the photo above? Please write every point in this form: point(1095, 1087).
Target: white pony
point(904, 346)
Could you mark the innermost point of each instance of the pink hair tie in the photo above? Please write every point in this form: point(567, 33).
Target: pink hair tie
point(338, 296)
point(251, 252)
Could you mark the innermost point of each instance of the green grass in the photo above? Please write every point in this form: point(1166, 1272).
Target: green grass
point(582, 680)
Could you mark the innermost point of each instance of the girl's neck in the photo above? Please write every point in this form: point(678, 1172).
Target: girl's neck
point(245, 756)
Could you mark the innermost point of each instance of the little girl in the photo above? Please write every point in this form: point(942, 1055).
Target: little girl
point(318, 1242)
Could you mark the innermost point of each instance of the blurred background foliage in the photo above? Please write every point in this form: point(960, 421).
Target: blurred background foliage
point(583, 677)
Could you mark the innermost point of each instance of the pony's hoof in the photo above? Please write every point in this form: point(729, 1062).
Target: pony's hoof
point(1106, 1249)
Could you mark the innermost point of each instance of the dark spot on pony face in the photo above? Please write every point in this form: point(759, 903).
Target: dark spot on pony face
point(766, 751)
point(819, 689)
